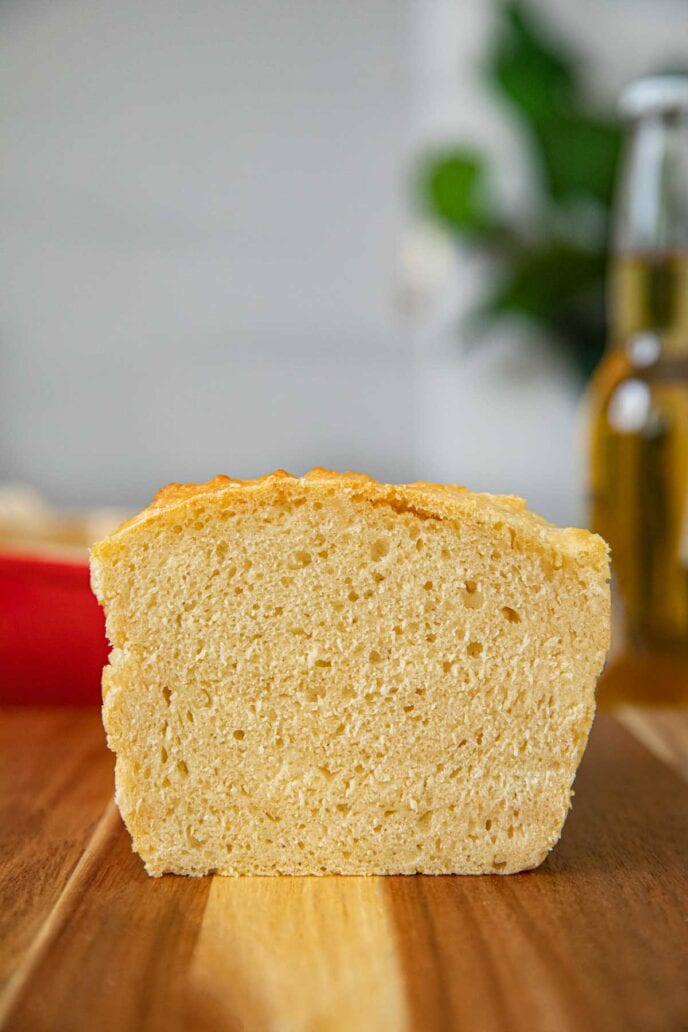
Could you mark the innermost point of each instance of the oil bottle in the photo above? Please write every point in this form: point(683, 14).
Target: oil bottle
point(639, 403)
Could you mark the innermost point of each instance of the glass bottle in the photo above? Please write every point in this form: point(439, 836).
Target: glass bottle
point(639, 402)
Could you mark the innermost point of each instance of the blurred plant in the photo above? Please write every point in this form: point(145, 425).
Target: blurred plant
point(550, 266)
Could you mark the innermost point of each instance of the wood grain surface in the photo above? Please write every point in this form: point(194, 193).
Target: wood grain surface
point(595, 939)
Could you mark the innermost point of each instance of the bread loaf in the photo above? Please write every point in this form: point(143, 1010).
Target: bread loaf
point(331, 675)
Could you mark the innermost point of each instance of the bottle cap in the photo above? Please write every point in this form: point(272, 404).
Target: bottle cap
point(655, 94)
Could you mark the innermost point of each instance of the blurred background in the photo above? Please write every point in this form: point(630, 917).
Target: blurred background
point(237, 236)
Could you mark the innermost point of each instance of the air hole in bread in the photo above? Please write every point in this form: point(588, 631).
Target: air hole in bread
point(379, 549)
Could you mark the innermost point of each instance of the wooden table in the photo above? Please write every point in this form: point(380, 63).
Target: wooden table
point(597, 938)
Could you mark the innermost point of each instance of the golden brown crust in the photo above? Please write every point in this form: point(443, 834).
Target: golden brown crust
point(427, 500)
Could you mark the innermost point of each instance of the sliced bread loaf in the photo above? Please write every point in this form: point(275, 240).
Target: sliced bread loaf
point(331, 675)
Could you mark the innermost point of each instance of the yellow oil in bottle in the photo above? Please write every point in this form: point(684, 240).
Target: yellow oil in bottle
point(639, 476)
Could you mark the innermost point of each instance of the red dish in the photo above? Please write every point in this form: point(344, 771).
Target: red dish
point(52, 631)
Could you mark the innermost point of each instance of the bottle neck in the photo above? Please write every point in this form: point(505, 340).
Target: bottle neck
point(648, 284)
point(651, 212)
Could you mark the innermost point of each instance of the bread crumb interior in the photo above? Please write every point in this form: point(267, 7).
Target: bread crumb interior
point(335, 685)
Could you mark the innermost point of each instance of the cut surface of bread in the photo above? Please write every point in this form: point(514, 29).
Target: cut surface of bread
point(331, 675)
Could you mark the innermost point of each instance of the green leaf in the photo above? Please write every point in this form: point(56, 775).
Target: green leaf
point(560, 287)
point(579, 155)
point(556, 283)
point(536, 77)
point(581, 331)
point(578, 152)
point(455, 188)
point(545, 280)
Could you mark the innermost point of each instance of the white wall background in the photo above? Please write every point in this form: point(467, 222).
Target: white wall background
point(203, 206)
point(201, 211)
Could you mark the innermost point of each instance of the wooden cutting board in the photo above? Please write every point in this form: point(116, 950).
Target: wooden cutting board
point(597, 938)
